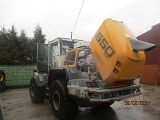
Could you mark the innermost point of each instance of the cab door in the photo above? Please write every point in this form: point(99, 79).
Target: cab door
point(43, 57)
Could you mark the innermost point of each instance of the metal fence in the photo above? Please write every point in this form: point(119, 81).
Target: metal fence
point(17, 75)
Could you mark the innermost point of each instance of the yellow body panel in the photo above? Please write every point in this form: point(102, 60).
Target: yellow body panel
point(112, 52)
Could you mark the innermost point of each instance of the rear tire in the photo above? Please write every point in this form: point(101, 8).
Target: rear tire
point(2, 81)
point(63, 107)
point(37, 94)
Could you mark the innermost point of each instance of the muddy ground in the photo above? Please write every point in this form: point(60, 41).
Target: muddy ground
point(17, 105)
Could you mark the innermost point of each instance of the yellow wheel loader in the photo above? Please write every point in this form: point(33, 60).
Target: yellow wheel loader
point(72, 73)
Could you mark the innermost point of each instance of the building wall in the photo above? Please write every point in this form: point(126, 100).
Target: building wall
point(152, 36)
point(151, 71)
point(151, 74)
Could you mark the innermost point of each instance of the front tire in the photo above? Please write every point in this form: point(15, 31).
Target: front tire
point(63, 107)
point(37, 94)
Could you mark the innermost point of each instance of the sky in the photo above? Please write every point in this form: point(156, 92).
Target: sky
point(57, 17)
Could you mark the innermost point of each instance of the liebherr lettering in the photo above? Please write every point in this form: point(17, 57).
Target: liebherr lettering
point(108, 50)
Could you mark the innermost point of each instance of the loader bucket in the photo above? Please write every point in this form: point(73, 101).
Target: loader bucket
point(119, 56)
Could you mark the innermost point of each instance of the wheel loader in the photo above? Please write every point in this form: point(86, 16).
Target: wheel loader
point(72, 73)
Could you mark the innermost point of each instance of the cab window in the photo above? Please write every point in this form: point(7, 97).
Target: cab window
point(70, 58)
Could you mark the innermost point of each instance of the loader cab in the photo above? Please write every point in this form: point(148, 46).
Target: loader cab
point(71, 64)
point(78, 62)
point(75, 58)
point(79, 59)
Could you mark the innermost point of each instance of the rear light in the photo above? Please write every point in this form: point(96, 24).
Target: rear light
point(91, 84)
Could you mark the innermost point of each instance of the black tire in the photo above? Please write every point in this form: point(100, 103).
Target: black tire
point(2, 81)
point(37, 94)
point(63, 107)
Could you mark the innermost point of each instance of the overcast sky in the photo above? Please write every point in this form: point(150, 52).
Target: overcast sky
point(57, 17)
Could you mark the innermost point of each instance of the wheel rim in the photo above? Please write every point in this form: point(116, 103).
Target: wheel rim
point(56, 100)
point(1, 77)
point(32, 89)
